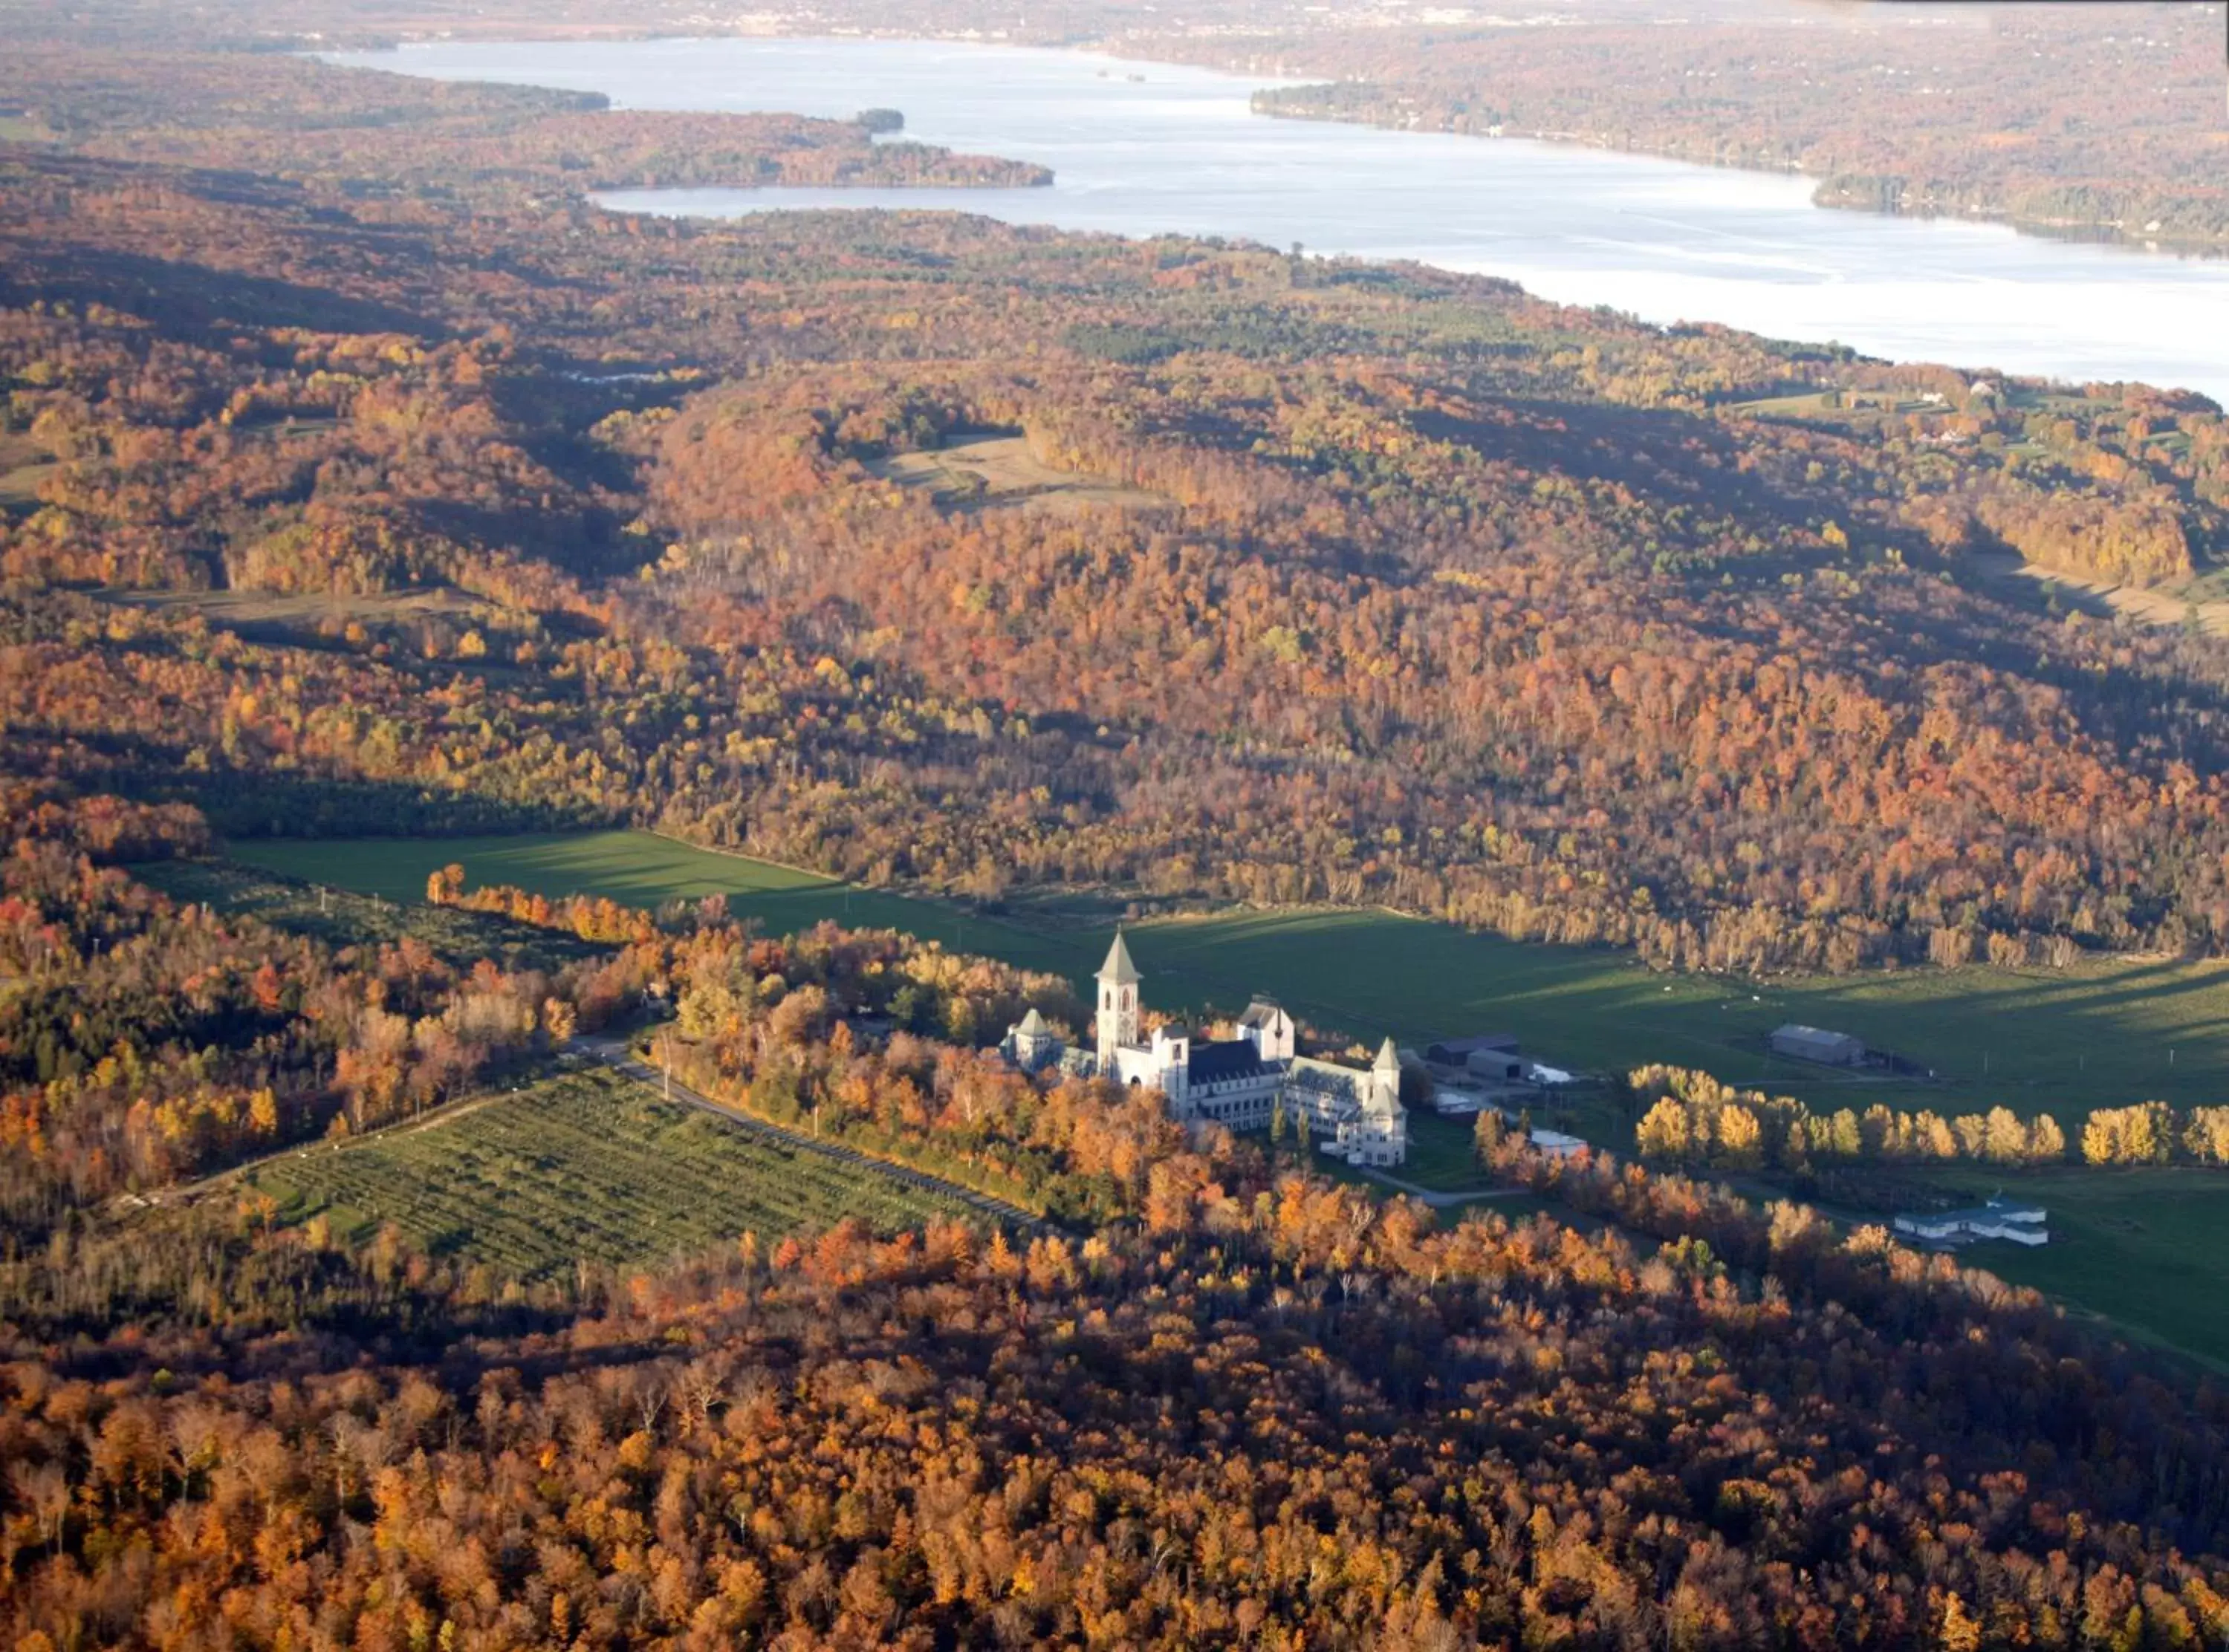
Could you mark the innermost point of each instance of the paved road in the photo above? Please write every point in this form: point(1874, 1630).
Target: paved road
point(1440, 1200)
point(614, 1054)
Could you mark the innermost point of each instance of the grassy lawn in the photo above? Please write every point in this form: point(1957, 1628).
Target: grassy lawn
point(642, 869)
point(2149, 1248)
point(585, 1165)
point(345, 917)
point(2143, 1248)
point(1439, 1155)
point(2034, 1042)
point(2106, 1033)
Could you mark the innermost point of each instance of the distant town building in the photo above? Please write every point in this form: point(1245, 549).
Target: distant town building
point(1816, 1044)
point(1240, 1082)
point(2021, 1224)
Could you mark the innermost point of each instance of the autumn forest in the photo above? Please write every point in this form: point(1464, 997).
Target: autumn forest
point(360, 476)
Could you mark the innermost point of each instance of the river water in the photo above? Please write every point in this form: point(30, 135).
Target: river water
point(1148, 149)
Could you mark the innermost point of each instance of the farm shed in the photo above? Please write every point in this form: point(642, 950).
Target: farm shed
point(1816, 1044)
point(1457, 1052)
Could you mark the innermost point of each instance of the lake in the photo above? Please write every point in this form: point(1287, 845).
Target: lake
point(1150, 149)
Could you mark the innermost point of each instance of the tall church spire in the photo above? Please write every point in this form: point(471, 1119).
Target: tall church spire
point(1384, 1098)
point(1118, 1005)
point(1118, 970)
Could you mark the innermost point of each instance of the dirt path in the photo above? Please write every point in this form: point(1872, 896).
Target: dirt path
point(1440, 1199)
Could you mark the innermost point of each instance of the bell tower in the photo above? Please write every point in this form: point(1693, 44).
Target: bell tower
point(1118, 1004)
point(1386, 1078)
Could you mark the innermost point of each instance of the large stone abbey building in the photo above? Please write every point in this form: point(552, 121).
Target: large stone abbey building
point(1239, 1082)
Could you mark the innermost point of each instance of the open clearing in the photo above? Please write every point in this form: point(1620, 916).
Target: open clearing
point(2107, 1032)
point(347, 917)
point(587, 1165)
point(999, 471)
point(2149, 1249)
point(642, 869)
point(233, 608)
point(2062, 1042)
point(23, 465)
point(2195, 602)
point(2143, 1248)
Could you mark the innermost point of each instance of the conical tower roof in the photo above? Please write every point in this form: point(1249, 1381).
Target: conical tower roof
point(1388, 1059)
point(1033, 1025)
point(1118, 970)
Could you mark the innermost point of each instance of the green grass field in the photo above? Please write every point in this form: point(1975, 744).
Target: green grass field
point(2033, 1041)
point(587, 1165)
point(2108, 1032)
point(2149, 1249)
point(345, 917)
point(642, 869)
point(2143, 1248)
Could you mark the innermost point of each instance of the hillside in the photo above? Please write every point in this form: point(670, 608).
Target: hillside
point(1330, 582)
point(359, 478)
point(1299, 1421)
point(1230, 1400)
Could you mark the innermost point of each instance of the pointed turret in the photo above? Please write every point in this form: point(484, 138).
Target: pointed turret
point(1118, 1006)
point(1118, 970)
point(1383, 1100)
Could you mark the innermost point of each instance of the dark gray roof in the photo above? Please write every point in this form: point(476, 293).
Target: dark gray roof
point(1453, 1049)
point(1219, 1060)
point(1328, 1077)
point(1118, 970)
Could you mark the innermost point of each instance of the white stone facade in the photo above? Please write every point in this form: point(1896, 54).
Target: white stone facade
point(1353, 1113)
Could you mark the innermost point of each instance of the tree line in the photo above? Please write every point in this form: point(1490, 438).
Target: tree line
point(1694, 1119)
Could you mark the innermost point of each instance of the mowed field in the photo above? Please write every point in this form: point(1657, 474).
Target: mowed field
point(348, 917)
point(2147, 1249)
point(642, 869)
point(587, 1165)
point(2062, 1042)
point(2108, 1032)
